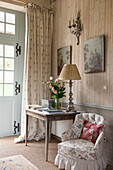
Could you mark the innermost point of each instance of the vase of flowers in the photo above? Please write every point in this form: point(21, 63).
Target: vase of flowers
point(57, 103)
point(57, 89)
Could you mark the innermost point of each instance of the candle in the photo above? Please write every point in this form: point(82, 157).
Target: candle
point(51, 78)
point(73, 21)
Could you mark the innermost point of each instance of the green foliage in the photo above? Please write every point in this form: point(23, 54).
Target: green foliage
point(57, 89)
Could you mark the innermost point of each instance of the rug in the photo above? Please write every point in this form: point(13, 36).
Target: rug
point(16, 162)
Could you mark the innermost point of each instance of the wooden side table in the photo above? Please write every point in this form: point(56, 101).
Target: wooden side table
point(47, 117)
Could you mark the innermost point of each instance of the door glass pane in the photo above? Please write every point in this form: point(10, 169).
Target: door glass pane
point(2, 27)
point(10, 29)
point(10, 18)
point(1, 50)
point(1, 89)
point(1, 63)
point(8, 77)
point(8, 89)
point(1, 16)
point(1, 76)
point(9, 64)
point(9, 51)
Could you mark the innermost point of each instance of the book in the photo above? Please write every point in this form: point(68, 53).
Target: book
point(50, 110)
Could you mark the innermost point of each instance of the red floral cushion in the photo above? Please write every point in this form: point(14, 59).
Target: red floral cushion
point(87, 134)
point(95, 127)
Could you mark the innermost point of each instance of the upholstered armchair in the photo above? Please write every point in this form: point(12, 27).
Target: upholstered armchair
point(77, 153)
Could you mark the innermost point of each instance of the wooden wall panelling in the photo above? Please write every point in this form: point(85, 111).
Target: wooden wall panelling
point(54, 43)
point(58, 14)
point(67, 31)
point(85, 33)
point(80, 49)
point(100, 80)
point(111, 58)
point(107, 33)
point(81, 68)
point(74, 46)
point(76, 56)
point(111, 61)
point(95, 25)
point(82, 55)
point(101, 30)
point(97, 19)
point(91, 32)
point(72, 37)
point(65, 23)
point(99, 87)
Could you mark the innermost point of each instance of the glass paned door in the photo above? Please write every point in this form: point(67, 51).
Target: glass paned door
point(12, 31)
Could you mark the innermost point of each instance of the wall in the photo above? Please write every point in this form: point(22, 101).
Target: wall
point(96, 19)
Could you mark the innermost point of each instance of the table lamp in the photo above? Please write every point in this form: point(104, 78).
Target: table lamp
point(70, 72)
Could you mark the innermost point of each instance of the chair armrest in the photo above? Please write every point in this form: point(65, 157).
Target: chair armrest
point(99, 139)
point(69, 134)
point(74, 132)
point(99, 145)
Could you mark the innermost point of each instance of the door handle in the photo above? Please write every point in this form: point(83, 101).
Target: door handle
point(17, 88)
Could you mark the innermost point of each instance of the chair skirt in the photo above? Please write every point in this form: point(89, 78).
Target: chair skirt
point(70, 163)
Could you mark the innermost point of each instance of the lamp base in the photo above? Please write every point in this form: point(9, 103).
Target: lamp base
point(71, 104)
point(70, 107)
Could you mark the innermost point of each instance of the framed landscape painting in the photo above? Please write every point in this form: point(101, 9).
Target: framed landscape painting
point(94, 55)
point(64, 56)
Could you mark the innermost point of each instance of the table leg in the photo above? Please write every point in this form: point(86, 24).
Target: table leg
point(47, 140)
point(73, 119)
point(26, 135)
point(50, 126)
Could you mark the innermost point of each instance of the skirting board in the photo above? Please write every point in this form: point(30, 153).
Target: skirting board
point(56, 137)
point(110, 162)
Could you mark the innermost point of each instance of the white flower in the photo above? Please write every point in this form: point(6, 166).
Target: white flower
point(56, 80)
point(51, 78)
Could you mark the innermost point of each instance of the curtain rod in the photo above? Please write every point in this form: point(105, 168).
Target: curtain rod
point(26, 3)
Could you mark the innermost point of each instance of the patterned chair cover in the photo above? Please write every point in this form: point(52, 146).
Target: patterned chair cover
point(80, 154)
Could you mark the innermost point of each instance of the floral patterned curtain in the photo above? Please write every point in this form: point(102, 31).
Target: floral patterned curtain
point(37, 66)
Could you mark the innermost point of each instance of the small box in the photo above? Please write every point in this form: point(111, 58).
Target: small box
point(48, 103)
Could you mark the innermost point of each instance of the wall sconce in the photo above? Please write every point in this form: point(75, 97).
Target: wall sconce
point(75, 27)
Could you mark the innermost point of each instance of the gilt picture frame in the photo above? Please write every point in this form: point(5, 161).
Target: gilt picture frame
point(94, 55)
point(64, 56)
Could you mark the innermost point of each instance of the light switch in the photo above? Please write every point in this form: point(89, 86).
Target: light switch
point(105, 87)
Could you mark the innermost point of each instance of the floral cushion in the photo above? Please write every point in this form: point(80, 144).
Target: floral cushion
point(87, 134)
point(96, 129)
point(78, 148)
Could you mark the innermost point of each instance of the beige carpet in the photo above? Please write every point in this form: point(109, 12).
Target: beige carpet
point(34, 152)
point(17, 162)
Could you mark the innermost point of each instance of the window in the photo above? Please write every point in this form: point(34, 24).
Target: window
point(6, 70)
point(7, 23)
